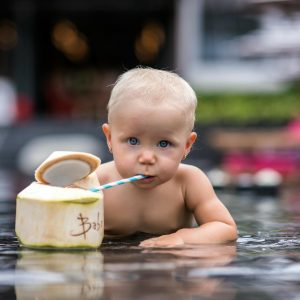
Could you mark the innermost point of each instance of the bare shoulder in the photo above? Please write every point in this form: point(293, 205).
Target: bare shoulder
point(189, 173)
point(196, 185)
point(107, 172)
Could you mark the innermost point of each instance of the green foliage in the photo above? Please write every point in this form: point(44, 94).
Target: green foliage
point(242, 109)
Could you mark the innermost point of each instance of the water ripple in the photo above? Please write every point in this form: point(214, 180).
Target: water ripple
point(29, 278)
point(289, 273)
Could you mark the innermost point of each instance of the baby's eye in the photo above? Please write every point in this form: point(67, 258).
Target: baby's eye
point(164, 144)
point(133, 141)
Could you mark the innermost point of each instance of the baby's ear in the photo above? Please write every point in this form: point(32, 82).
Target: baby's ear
point(107, 133)
point(189, 143)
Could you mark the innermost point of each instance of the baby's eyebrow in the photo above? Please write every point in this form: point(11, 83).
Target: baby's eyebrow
point(127, 135)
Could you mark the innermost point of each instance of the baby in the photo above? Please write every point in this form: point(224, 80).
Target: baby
point(151, 116)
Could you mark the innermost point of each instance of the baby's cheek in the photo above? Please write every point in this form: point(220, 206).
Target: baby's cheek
point(124, 167)
point(169, 169)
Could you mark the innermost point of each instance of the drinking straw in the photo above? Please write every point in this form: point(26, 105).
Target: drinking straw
point(118, 182)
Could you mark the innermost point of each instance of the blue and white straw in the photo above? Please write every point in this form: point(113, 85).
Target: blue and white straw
point(118, 182)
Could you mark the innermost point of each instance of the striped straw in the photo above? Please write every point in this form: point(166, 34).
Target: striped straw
point(116, 183)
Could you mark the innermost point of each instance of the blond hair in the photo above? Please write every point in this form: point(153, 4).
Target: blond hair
point(155, 87)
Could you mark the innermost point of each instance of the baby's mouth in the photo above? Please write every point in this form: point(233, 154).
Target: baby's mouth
point(148, 179)
point(146, 176)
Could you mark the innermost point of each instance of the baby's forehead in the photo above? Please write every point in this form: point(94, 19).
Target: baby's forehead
point(147, 117)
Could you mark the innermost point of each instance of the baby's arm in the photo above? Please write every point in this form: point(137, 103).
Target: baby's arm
point(215, 222)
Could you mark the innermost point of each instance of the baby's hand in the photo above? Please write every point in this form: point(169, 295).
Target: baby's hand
point(168, 240)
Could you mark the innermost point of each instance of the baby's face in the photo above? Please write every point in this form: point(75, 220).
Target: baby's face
point(149, 140)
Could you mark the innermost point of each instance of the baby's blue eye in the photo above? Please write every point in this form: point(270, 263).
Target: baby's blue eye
point(133, 141)
point(164, 144)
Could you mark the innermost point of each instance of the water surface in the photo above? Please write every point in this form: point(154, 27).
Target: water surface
point(263, 264)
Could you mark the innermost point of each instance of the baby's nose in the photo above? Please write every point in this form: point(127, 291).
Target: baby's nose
point(147, 157)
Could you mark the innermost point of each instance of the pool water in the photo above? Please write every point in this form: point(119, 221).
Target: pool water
point(263, 264)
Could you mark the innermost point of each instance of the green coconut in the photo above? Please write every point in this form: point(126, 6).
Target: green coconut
point(56, 217)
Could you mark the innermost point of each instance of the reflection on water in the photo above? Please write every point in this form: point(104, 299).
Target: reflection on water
point(58, 275)
point(163, 273)
point(263, 264)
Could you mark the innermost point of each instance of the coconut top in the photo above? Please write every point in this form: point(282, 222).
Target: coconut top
point(62, 168)
point(47, 193)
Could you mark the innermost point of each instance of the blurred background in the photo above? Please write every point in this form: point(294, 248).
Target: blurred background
point(60, 58)
point(58, 62)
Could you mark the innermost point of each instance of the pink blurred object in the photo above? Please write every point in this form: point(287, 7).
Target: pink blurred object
point(286, 163)
point(237, 162)
point(293, 128)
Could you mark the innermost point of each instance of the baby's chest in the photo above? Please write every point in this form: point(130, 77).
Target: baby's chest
point(164, 216)
point(155, 213)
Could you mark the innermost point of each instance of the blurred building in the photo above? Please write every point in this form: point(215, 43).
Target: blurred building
point(63, 55)
point(239, 45)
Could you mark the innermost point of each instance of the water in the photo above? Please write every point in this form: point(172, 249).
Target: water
point(263, 264)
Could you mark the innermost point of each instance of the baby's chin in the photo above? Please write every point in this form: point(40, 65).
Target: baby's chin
point(144, 186)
